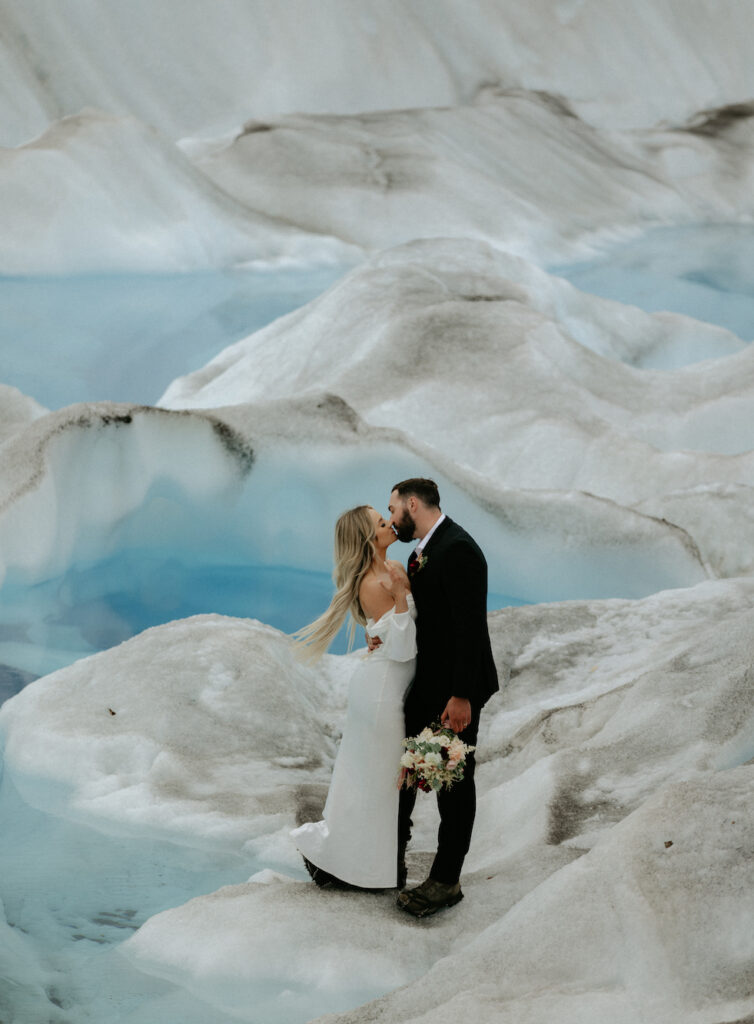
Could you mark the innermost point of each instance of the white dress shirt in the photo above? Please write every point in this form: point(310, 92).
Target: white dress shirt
point(425, 539)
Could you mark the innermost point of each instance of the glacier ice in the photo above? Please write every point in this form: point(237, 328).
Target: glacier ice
point(72, 895)
point(594, 929)
point(462, 160)
point(191, 71)
point(100, 193)
point(515, 168)
point(599, 754)
point(484, 315)
point(194, 708)
point(215, 499)
point(120, 196)
point(702, 271)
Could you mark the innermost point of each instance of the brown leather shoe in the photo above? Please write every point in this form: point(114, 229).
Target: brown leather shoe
point(429, 897)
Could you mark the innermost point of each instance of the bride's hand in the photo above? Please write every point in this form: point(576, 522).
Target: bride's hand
point(398, 588)
point(399, 585)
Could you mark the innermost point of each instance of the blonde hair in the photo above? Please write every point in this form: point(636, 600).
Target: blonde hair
point(353, 553)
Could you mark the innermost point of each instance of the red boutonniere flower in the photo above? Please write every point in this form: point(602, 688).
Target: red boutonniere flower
point(417, 564)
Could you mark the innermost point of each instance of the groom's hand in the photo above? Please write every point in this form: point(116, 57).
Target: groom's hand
point(373, 642)
point(457, 714)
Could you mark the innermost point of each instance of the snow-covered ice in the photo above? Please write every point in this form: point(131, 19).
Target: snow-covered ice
point(611, 777)
point(118, 196)
point(193, 71)
point(16, 411)
point(684, 436)
point(163, 735)
point(99, 193)
point(514, 167)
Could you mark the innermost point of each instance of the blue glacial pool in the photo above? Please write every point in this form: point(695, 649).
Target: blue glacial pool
point(125, 337)
point(703, 271)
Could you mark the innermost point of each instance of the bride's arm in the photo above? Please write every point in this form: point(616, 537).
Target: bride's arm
point(396, 636)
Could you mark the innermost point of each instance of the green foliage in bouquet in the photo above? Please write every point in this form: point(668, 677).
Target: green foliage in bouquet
point(433, 759)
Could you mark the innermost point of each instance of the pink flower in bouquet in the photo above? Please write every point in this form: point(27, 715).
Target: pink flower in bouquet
point(456, 750)
point(434, 759)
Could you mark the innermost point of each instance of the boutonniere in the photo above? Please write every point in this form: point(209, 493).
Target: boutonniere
point(417, 564)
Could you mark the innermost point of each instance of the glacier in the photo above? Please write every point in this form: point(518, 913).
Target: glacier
point(257, 262)
point(613, 777)
point(113, 511)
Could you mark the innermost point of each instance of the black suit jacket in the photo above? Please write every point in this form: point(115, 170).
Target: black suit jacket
point(454, 652)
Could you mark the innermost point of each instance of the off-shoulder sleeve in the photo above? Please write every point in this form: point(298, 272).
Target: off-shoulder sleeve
point(397, 631)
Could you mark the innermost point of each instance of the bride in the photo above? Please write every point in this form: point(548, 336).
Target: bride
point(357, 840)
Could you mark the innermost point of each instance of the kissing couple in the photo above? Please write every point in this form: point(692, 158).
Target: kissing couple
point(429, 661)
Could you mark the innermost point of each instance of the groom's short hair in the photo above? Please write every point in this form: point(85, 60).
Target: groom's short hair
point(421, 488)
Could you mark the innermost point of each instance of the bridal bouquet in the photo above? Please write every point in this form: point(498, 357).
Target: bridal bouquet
point(433, 759)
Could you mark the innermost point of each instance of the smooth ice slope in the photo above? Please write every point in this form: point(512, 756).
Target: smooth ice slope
point(97, 191)
point(22, 980)
point(596, 744)
point(501, 155)
point(516, 168)
point(195, 70)
point(103, 193)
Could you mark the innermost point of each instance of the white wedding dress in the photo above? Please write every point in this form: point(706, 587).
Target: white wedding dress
point(357, 840)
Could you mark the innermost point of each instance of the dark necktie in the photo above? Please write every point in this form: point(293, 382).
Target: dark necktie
point(413, 563)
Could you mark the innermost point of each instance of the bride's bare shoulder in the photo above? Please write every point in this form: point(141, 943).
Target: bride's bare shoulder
point(374, 598)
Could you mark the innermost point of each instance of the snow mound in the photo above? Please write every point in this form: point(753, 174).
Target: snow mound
point(408, 338)
point(16, 411)
point(185, 731)
point(633, 930)
point(612, 775)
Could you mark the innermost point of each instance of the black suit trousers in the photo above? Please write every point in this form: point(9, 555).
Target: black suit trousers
point(457, 807)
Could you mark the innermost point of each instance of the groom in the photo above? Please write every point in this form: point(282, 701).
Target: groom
point(455, 674)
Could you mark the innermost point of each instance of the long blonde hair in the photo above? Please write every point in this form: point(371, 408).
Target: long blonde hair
point(354, 552)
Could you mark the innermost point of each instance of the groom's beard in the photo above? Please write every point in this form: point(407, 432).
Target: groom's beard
point(405, 528)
